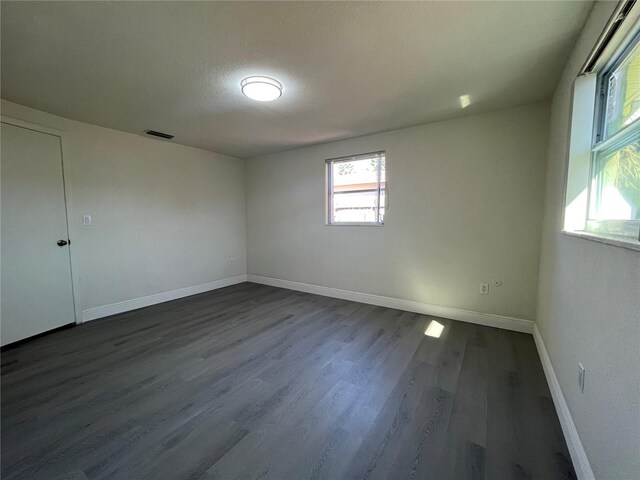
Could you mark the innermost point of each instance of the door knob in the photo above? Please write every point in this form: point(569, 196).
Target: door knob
point(62, 243)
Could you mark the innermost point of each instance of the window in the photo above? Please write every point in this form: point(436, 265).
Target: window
point(602, 189)
point(614, 191)
point(356, 190)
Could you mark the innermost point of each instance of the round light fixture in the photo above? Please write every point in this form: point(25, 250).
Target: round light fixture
point(262, 89)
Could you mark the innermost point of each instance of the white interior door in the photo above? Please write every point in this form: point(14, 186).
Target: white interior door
point(35, 271)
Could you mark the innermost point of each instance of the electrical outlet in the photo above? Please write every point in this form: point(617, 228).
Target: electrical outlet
point(484, 288)
point(581, 374)
point(232, 261)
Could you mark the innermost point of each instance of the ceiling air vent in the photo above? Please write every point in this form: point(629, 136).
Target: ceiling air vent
point(159, 134)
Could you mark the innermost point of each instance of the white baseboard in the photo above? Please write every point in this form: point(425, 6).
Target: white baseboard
point(488, 319)
point(576, 450)
point(127, 305)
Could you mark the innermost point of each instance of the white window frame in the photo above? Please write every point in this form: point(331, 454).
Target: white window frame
point(587, 124)
point(623, 228)
point(330, 193)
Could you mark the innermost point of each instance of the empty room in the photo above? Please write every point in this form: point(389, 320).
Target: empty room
point(320, 240)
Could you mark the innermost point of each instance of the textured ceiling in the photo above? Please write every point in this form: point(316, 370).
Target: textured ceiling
point(348, 68)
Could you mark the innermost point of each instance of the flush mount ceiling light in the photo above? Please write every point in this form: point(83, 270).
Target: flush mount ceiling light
point(262, 89)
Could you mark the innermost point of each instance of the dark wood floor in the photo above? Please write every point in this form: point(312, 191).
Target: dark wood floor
point(253, 382)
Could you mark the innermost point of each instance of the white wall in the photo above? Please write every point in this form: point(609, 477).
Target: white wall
point(165, 216)
point(589, 306)
point(465, 207)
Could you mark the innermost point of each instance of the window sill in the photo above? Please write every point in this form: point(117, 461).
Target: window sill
point(615, 241)
point(354, 224)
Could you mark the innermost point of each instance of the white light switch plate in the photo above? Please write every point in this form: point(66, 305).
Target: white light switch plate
point(86, 220)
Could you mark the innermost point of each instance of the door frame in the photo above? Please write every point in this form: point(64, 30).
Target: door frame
point(68, 203)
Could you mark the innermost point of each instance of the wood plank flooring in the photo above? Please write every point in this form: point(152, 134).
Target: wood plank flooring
point(256, 382)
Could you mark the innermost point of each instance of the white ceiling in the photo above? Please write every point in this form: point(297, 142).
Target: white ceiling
point(348, 68)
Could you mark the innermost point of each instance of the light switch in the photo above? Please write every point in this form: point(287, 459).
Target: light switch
point(86, 220)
